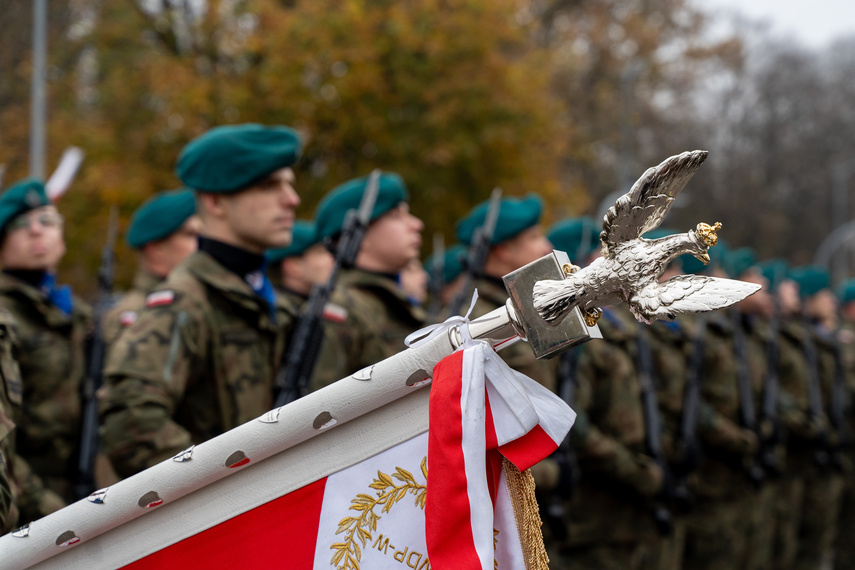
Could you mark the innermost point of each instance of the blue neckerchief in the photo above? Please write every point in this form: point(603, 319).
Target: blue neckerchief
point(58, 295)
point(262, 287)
point(612, 318)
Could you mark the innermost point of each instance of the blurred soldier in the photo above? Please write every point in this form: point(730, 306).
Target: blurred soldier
point(6, 523)
point(164, 230)
point(51, 327)
point(752, 317)
point(844, 546)
point(609, 516)
point(369, 315)
point(10, 391)
point(202, 356)
point(517, 240)
point(724, 484)
point(452, 271)
point(295, 269)
point(824, 482)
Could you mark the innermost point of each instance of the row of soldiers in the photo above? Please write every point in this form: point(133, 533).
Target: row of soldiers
point(710, 442)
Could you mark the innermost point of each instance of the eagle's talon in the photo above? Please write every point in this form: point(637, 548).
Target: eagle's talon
point(592, 316)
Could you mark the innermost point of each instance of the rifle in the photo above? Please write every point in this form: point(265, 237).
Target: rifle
point(478, 251)
point(95, 369)
point(837, 412)
point(747, 412)
point(436, 277)
point(553, 511)
point(292, 381)
point(653, 432)
point(687, 443)
point(771, 390)
point(815, 405)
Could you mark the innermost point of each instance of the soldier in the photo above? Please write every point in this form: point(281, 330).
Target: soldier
point(844, 548)
point(369, 315)
point(51, 327)
point(719, 526)
point(297, 268)
point(164, 230)
point(824, 481)
point(203, 354)
point(10, 391)
point(517, 241)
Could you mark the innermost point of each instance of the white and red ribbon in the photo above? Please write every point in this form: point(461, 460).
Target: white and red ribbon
point(480, 410)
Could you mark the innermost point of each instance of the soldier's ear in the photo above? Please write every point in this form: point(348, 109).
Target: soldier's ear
point(211, 205)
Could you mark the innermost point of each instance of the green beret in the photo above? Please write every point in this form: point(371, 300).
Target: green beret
point(577, 237)
point(811, 279)
point(736, 262)
point(659, 233)
point(332, 210)
point(452, 265)
point(20, 198)
point(846, 292)
point(231, 158)
point(160, 216)
point(774, 270)
point(691, 264)
point(717, 253)
point(304, 237)
point(515, 216)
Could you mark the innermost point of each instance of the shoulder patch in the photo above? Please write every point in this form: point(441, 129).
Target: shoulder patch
point(160, 298)
point(335, 313)
point(127, 318)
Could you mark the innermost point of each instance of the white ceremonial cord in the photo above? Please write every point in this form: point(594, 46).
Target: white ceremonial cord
point(423, 335)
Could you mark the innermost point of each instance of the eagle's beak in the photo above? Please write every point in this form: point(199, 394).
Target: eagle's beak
point(703, 258)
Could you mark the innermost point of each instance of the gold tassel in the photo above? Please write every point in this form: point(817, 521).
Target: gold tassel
point(527, 516)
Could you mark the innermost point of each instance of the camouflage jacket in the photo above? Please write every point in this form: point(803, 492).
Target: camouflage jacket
point(491, 296)
point(671, 346)
point(201, 359)
point(617, 477)
point(10, 395)
point(726, 446)
point(802, 429)
point(126, 311)
point(366, 321)
point(53, 364)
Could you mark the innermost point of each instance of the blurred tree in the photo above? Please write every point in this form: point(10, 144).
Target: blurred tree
point(628, 72)
point(451, 94)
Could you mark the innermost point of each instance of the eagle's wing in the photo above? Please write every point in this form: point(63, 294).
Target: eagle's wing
point(687, 294)
point(644, 207)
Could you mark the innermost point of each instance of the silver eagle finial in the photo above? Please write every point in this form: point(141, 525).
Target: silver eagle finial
point(630, 267)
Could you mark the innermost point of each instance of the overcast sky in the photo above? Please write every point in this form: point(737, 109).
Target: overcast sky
point(815, 22)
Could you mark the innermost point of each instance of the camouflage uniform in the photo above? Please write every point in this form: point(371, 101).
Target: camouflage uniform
point(844, 547)
point(10, 391)
point(719, 525)
point(610, 517)
point(823, 485)
point(125, 312)
point(53, 364)
point(200, 360)
point(671, 345)
point(366, 321)
point(802, 433)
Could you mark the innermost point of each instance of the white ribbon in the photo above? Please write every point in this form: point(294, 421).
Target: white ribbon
point(423, 335)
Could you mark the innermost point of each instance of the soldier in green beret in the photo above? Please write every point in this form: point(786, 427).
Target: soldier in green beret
point(517, 240)
point(164, 231)
point(203, 355)
point(825, 479)
point(369, 315)
point(51, 326)
point(295, 269)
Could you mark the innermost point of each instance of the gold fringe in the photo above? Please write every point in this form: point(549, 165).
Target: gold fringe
point(527, 516)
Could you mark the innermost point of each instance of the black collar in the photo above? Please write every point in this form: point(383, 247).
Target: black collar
point(32, 277)
point(233, 258)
